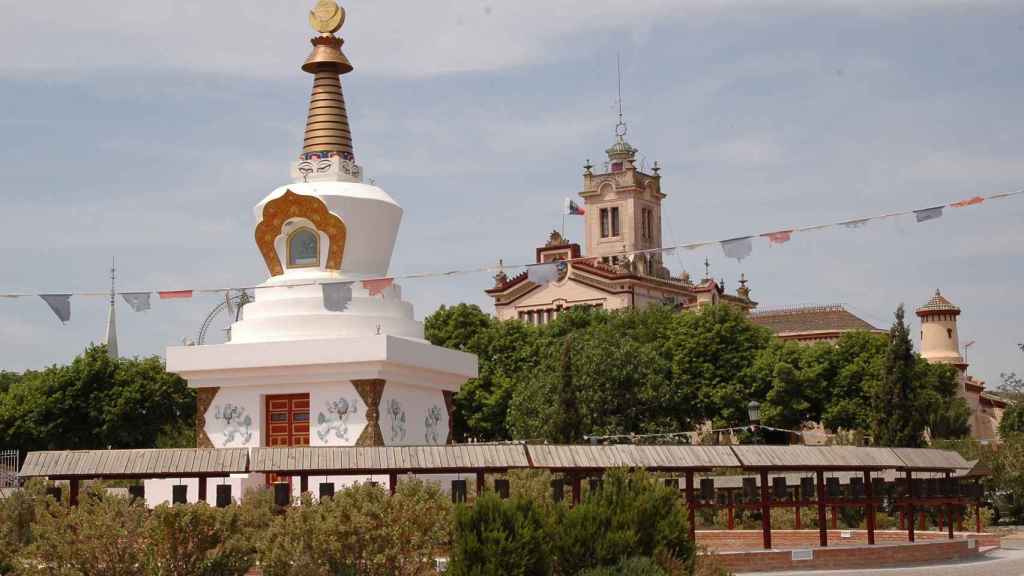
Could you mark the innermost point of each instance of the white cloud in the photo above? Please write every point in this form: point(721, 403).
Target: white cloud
point(389, 37)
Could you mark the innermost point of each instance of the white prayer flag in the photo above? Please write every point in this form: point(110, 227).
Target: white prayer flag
point(138, 301)
point(337, 296)
point(60, 304)
point(738, 248)
point(543, 273)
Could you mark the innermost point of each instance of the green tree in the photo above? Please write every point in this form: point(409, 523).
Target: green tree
point(94, 402)
point(947, 415)
point(621, 373)
point(456, 327)
point(897, 420)
point(570, 428)
point(859, 359)
point(8, 379)
point(713, 353)
point(505, 350)
point(786, 405)
point(1013, 420)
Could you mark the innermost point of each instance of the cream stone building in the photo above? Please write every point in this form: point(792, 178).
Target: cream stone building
point(940, 343)
point(622, 207)
point(622, 268)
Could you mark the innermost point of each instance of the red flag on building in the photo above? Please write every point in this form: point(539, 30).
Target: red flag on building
point(175, 294)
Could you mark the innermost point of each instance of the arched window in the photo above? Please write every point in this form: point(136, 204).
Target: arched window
point(303, 248)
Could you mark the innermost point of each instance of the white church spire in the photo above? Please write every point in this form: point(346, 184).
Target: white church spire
point(111, 339)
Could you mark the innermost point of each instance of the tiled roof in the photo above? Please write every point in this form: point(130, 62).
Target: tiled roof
point(834, 318)
point(938, 303)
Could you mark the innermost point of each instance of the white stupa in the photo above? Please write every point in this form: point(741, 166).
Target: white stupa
point(328, 353)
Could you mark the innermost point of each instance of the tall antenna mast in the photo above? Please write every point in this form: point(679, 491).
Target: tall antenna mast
point(111, 339)
point(113, 278)
point(620, 128)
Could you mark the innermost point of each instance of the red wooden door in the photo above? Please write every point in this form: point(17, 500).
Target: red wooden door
point(287, 424)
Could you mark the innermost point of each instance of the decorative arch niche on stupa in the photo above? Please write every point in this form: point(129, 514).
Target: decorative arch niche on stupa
point(290, 206)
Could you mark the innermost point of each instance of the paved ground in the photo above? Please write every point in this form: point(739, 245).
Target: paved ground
point(1005, 562)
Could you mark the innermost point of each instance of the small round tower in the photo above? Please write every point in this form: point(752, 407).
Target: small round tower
point(939, 339)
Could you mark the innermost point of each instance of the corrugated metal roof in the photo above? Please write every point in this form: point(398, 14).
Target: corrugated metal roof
point(931, 459)
point(657, 457)
point(354, 459)
point(136, 463)
point(475, 457)
point(816, 457)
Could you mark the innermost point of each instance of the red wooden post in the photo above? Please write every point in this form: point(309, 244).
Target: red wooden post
point(835, 519)
point(732, 519)
point(797, 496)
point(480, 483)
point(924, 519)
point(766, 511)
point(950, 513)
point(392, 483)
point(869, 508)
point(577, 489)
point(903, 519)
point(822, 528)
point(910, 506)
point(949, 508)
point(202, 489)
point(73, 493)
point(977, 513)
point(690, 506)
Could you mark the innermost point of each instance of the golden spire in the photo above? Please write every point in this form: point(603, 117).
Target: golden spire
point(327, 128)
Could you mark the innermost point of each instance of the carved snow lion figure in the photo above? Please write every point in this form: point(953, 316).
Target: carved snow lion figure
point(336, 419)
point(431, 424)
point(397, 414)
point(237, 424)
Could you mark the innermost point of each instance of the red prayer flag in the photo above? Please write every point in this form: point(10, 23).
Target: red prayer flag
point(780, 237)
point(377, 287)
point(175, 294)
point(968, 202)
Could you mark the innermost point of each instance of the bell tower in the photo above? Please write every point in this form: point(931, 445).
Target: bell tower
point(623, 208)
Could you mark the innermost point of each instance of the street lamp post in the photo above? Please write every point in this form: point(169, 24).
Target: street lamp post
point(754, 413)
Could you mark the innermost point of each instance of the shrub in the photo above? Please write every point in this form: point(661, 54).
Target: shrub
point(498, 537)
point(364, 531)
point(102, 535)
point(288, 548)
point(638, 566)
point(631, 515)
point(197, 540)
point(361, 530)
point(17, 513)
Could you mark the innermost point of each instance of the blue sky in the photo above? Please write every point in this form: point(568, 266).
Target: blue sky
point(148, 131)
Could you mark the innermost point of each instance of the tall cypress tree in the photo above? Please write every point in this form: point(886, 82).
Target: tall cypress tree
point(570, 425)
point(897, 420)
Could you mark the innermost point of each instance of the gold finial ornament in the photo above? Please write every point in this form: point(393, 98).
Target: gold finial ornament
point(327, 17)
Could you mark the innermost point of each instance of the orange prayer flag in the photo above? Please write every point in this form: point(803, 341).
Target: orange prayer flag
point(968, 202)
point(780, 237)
